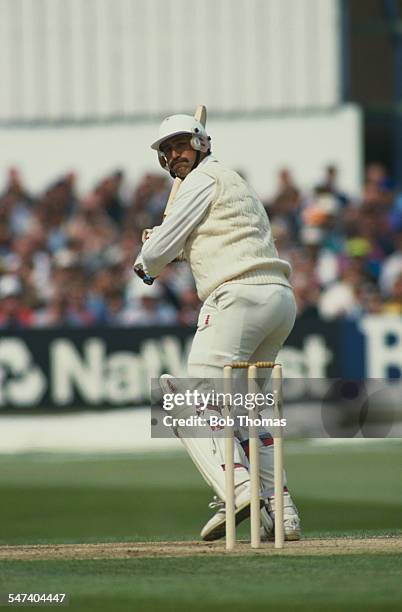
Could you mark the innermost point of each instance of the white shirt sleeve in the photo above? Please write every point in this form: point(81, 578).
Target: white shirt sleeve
point(168, 240)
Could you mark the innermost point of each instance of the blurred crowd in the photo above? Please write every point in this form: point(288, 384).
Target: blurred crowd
point(66, 259)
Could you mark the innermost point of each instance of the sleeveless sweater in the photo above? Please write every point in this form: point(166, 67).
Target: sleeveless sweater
point(233, 242)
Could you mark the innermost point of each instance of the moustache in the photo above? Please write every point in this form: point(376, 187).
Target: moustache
point(182, 160)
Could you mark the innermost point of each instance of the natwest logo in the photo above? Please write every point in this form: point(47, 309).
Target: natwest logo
point(84, 374)
point(22, 382)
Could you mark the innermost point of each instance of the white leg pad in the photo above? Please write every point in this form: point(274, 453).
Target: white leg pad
point(206, 446)
point(208, 455)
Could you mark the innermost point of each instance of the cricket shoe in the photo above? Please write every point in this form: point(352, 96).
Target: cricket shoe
point(291, 520)
point(215, 528)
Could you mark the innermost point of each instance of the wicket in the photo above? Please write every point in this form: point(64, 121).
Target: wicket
point(254, 462)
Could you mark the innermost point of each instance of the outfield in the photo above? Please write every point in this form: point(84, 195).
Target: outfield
point(348, 489)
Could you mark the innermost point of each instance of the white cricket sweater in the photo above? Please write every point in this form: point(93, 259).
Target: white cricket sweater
point(233, 242)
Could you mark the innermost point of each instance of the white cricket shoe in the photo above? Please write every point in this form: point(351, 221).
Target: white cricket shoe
point(291, 519)
point(215, 528)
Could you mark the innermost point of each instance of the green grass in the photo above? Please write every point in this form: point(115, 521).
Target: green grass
point(46, 498)
point(220, 584)
point(350, 489)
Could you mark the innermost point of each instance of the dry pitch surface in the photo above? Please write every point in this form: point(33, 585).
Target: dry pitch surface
point(127, 550)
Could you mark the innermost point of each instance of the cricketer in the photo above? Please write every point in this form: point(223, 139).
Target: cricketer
point(219, 226)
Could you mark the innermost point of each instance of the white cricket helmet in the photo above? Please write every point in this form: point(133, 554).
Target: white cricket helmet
point(182, 124)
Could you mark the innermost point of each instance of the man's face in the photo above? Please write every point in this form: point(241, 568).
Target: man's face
point(179, 154)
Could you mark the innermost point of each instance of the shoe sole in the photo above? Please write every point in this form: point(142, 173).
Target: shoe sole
point(293, 536)
point(219, 531)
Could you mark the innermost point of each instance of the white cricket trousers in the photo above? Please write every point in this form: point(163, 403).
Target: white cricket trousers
point(238, 322)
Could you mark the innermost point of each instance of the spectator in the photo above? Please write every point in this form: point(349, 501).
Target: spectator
point(189, 308)
point(54, 313)
point(341, 298)
point(13, 312)
point(369, 299)
point(151, 309)
point(394, 304)
point(286, 203)
point(78, 312)
point(109, 191)
point(392, 267)
point(306, 295)
point(115, 312)
point(17, 202)
point(287, 198)
point(67, 260)
point(330, 185)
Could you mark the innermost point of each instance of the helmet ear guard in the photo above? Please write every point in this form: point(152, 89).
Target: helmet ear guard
point(165, 165)
point(162, 160)
point(199, 142)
